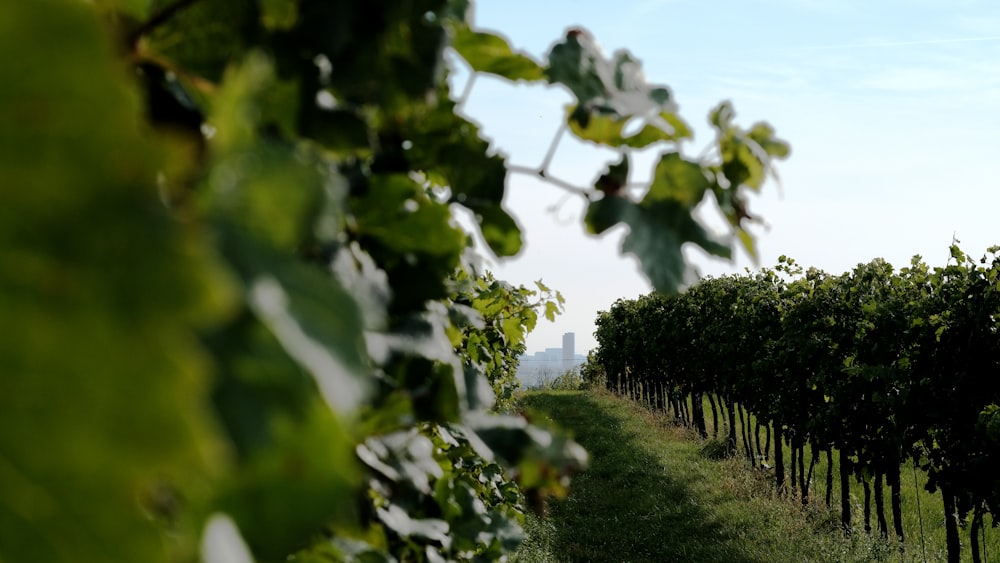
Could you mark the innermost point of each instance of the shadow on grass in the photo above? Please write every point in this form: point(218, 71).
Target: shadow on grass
point(628, 506)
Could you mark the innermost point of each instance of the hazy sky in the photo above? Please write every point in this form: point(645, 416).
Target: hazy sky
point(892, 110)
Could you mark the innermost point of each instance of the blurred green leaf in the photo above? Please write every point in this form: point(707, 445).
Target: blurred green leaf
point(204, 37)
point(107, 447)
point(578, 63)
point(657, 231)
point(500, 230)
point(609, 129)
point(403, 457)
point(605, 213)
point(678, 179)
point(397, 213)
point(271, 191)
point(610, 92)
point(336, 129)
point(397, 519)
point(138, 9)
point(490, 53)
point(551, 310)
point(447, 146)
point(284, 495)
point(278, 14)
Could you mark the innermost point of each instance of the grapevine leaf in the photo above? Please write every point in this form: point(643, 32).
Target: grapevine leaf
point(606, 213)
point(517, 444)
point(490, 53)
point(499, 229)
point(269, 191)
point(746, 239)
point(336, 129)
point(404, 456)
point(609, 129)
point(609, 93)
point(444, 144)
point(397, 519)
point(386, 55)
point(285, 494)
point(763, 134)
point(614, 179)
point(746, 155)
point(104, 388)
point(205, 37)
point(658, 230)
point(278, 14)
point(678, 179)
point(398, 214)
point(551, 310)
point(578, 63)
point(316, 320)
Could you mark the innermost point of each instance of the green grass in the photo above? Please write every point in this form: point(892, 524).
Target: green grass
point(652, 493)
point(922, 511)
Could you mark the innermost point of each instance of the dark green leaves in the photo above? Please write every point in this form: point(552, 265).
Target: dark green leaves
point(398, 214)
point(658, 231)
point(662, 222)
point(578, 64)
point(449, 147)
point(614, 179)
point(491, 54)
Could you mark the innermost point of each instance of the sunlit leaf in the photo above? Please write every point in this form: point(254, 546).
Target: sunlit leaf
point(678, 179)
point(490, 53)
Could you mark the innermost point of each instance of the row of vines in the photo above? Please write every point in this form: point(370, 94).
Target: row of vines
point(876, 367)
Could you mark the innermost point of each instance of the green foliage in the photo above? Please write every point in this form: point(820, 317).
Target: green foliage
point(613, 94)
point(881, 366)
point(592, 373)
point(569, 380)
point(95, 455)
point(490, 54)
point(234, 285)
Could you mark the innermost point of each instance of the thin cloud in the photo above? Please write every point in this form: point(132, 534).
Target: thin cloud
point(901, 43)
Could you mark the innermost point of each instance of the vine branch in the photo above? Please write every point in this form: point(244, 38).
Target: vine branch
point(552, 150)
point(558, 182)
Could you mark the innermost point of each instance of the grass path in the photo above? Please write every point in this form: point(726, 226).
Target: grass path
point(651, 495)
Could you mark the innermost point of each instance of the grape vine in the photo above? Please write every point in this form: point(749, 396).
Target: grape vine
point(882, 367)
point(241, 319)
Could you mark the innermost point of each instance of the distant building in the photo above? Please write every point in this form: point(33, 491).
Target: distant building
point(550, 363)
point(567, 350)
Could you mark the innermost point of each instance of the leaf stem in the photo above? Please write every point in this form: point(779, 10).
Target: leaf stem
point(517, 169)
point(552, 150)
point(460, 102)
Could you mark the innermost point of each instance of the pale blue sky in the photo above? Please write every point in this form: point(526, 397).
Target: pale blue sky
point(892, 109)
